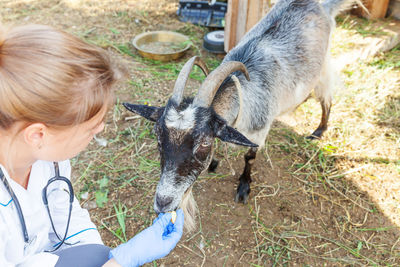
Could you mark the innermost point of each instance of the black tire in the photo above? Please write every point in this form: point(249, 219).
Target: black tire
point(214, 42)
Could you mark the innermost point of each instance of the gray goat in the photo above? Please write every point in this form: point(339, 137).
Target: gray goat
point(270, 72)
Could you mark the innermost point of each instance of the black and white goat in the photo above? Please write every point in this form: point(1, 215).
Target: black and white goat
point(270, 72)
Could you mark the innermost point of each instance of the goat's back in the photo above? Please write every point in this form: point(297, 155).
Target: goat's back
point(284, 54)
point(294, 33)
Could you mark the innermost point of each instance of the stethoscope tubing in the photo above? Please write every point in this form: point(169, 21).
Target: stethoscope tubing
point(57, 177)
point(17, 206)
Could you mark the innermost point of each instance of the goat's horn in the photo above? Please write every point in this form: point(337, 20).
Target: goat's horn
point(184, 75)
point(213, 81)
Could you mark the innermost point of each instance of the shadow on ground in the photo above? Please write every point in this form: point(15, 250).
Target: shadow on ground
point(302, 211)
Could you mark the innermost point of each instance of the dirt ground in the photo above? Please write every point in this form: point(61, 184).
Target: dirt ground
point(333, 202)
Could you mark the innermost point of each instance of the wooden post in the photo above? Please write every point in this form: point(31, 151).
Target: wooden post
point(241, 20)
point(377, 9)
point(241, 16)
point(256, 11)
point(230, 25)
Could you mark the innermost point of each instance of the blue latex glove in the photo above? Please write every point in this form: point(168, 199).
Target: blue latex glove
point(152, 243)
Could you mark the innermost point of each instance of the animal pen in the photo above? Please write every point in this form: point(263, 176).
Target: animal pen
point(333, 201)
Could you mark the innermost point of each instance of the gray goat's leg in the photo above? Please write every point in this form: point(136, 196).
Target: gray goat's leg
point(326, 109)
point(243, 190)
point(323, 92)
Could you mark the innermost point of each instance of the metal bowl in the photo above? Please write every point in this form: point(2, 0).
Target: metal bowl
point(146, 44)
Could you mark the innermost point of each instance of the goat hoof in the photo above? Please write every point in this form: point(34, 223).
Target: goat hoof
point(242, 193)
point(243, 199)
point(213, 165)
point(316, 134)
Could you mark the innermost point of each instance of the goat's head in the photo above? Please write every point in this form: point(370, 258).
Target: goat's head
point(186, 129)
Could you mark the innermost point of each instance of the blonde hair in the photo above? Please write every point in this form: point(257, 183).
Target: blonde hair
point(50, 76)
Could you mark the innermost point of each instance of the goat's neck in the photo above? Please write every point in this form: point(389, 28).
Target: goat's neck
point(226, 102)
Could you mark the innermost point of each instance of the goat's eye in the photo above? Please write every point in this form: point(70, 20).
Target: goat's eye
point(206, 144)
point(203, 149)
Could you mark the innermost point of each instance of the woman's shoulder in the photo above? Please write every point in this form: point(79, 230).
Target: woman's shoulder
point(64, 167)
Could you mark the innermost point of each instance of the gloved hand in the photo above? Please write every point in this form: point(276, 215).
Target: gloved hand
point(152, 243)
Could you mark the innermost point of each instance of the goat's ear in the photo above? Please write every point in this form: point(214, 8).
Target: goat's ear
point(148, 112)
point(229, 134)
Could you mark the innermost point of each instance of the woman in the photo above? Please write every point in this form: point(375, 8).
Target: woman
point(54, 93)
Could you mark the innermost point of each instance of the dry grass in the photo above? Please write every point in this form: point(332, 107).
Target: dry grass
point(333, 202)
point(364, 130)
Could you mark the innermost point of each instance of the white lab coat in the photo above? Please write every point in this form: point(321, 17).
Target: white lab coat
point(41, 234)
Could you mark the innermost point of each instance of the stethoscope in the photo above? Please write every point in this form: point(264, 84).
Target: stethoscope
point(57, 177)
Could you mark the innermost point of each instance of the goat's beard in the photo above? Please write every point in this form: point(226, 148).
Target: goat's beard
point(188, 204)
point(190, 210)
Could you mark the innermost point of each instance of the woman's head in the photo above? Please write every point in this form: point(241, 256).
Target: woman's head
point(52, 77)
point(53, 80)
